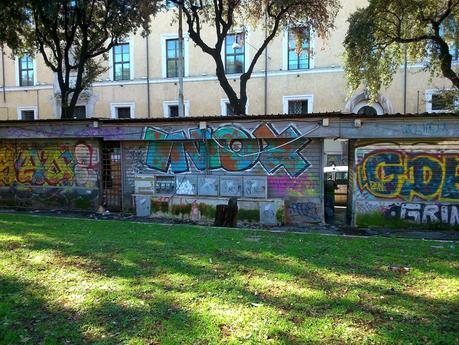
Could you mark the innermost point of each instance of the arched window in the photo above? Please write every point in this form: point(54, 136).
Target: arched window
point(361, 104)
point(367, 110)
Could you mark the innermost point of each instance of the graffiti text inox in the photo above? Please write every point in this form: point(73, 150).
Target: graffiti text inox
point(241, 150)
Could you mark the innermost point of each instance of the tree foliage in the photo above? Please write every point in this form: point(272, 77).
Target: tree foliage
point(73, 36)
point(380, 35)
point(227, 16)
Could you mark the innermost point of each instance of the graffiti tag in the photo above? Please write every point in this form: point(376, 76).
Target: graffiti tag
point(231, 149)
point(425, 213)
point(43, 165)
point(303, 211)
point(392, 174)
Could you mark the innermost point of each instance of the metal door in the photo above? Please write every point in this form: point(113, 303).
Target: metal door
point(111, 175)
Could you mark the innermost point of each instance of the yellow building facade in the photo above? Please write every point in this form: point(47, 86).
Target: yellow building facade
point(140, 82)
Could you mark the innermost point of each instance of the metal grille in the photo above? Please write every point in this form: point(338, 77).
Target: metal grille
point(298, 107)
point(111, 175)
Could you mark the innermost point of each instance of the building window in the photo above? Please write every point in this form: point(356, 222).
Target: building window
point(171, 108)
point(298, 106)
point(170, 5)
point(173, 111)
point(367, 110)
point(123, 110)
point(121, 62)
point(26, 71)
point(365, 107)
point(172, 57)
point(79, 112)
point(227, 110)
point(299, 57)
point(442, 101)
point(27, 113)
point(295, 105)
point(439, 103)
point(234, 53)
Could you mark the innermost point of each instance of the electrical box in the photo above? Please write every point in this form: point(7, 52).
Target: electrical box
point(165, 184)
point(230, 186)
point(208, 185)
point(144, 184)
point(187, 184)
point(255, 187)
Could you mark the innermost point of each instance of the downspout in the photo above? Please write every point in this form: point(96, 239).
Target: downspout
point(148, 76)
point(266, 65)
point(3, 74)
point(38, 104)
point(405, 76)
point(417, 104)
point(180, 65)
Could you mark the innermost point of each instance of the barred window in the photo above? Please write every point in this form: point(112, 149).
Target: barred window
point(298, 106)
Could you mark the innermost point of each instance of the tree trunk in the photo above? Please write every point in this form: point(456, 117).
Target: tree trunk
point(231, 213)
point(74, 100)
point(65, 114)
point(226, 215)
point(220, 215)
point(234, 100)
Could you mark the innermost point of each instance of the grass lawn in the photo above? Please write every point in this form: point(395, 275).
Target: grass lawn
point(107, 282)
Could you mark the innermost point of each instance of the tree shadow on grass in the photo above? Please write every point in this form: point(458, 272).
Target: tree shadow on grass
point(145, 254)
point(27, 317)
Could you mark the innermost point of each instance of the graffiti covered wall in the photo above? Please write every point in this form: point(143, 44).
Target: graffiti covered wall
point(49, 174)
point(263, 162)
point(417, 183)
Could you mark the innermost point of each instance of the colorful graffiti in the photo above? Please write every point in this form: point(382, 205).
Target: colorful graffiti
point(42, 164)
point(282, 186)
point(86, 166)
point(393, 174)
point(425, 213)
point(229, 148)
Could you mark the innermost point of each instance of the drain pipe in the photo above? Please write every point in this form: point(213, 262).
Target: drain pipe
point(3, 74)
point(266, 65)
point(180, 65)
point(405, 76)
point(148, 76)
point(417, 104)
point(38, 103)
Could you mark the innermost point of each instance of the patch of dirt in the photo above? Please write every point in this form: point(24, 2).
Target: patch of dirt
point(225, 330)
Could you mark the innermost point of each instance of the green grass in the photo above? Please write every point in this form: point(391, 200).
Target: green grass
point(68, 281)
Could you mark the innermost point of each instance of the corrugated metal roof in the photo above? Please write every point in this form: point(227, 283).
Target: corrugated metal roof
point(220, 118)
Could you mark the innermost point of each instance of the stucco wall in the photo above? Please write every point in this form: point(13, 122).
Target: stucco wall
point(203, 91)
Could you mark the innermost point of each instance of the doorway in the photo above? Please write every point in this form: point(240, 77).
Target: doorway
point(111, 176)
